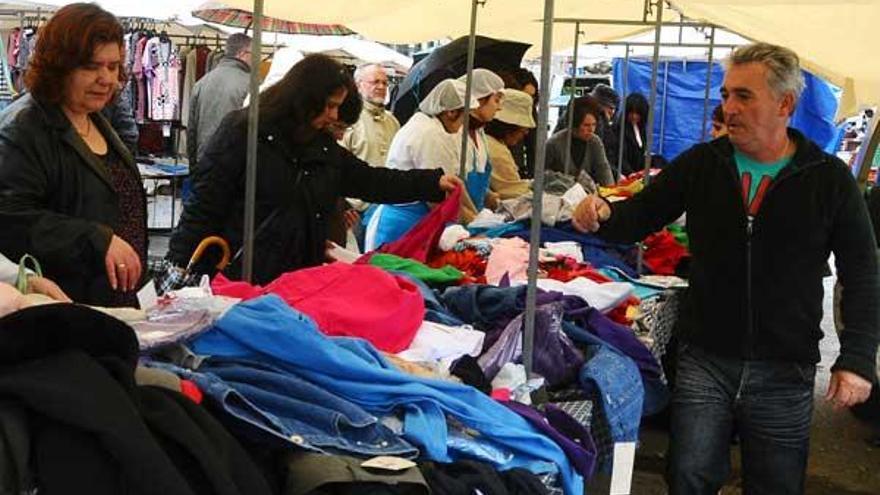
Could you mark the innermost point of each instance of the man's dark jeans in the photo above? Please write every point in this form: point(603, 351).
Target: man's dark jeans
point(769, 402)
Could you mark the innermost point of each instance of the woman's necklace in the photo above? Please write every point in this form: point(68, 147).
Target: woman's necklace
point(88, 128)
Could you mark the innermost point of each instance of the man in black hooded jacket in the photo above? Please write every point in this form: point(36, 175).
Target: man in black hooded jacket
point(765, 209)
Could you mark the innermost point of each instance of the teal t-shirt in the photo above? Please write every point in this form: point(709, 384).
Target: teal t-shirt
point(756, 178)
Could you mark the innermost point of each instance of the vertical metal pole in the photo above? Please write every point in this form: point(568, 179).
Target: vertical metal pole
point(708, 83)
point(649, 132)
point(663, 110)
point(250, 182)
point(622, 116)
point(465, 129)
point(538, 187)
point(570, 113)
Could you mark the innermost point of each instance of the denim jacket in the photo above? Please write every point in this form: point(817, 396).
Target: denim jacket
point(271, 405)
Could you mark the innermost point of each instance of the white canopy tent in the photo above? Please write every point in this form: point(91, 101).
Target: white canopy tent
point(832, 36)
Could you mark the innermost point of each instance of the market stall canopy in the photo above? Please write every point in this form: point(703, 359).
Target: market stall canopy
point(220, 13)
point(9, 12)
point(832, 36)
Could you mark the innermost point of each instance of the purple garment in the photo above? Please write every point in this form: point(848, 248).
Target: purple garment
point(570, 435)
point(555, 356)
point(614, 334)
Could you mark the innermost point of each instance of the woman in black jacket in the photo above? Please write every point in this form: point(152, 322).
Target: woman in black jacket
point(301, 173)
point(635, 121)
point(70, 193)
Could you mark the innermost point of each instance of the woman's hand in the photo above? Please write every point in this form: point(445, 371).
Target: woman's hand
point(449, 183)
point(123, 265)
point(42, 285)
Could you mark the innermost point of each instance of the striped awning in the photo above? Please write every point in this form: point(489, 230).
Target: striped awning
point(229, 16)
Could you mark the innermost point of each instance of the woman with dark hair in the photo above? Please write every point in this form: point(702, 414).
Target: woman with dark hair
point(302, 172)
point(719, 128)
point(70, 192)
point(587, 154)
point(636, 120)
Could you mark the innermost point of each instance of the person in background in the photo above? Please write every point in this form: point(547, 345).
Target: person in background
point(511, 125)
point(608, 100)
point(120, 114)
point(587, 154)
point(217, 93)
point(70, 193)
point(765, 209)
point(430, 139)
point(370, 138)
point(719, 128)
point(302, 174)
point(486, 88)
point(634, 134)
point(524, 153)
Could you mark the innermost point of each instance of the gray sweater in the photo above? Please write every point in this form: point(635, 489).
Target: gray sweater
point(594, 163)
point(217, 93)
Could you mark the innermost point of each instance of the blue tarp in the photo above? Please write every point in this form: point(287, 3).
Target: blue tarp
point(683, 90)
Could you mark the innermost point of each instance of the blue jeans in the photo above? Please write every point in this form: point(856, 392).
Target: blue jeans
point(769, 402)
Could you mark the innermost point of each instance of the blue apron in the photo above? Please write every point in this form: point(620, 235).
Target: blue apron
point(477, 183)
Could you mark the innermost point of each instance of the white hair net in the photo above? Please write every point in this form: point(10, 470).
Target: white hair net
point(485, 83)
point(448, 95)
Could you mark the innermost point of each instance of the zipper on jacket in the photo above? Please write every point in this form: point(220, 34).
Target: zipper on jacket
point(750, 230)
point(750, 316)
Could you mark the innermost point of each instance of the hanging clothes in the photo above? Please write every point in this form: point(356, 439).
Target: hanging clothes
point(161, 68)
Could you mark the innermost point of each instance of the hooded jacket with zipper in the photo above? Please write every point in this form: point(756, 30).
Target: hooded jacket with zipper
point(298, 185)
point(57, 201)
point(756, 287)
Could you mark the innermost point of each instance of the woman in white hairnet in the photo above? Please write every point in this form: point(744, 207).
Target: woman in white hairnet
point(486, 87)
point(430, 139)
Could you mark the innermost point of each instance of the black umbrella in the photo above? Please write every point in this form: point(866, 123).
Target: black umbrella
point(448, 61)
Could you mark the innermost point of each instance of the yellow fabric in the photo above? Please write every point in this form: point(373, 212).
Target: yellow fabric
point(505, 180)
point(833, 37)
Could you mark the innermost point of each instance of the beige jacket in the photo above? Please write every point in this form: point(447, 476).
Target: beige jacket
point(505, 180)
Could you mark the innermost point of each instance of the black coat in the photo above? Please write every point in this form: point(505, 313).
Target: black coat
point(633, 154)
point(298, 186)
point(56, 198)
point(92, 430)
point(756, 287)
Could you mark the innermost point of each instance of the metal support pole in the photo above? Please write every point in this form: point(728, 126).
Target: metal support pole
point(622, 115)
point(250, 181)
point(538, 187)
point(649, 131)
point(708, 83)
point(663, 110)
point(465, 129)
point(574, 71)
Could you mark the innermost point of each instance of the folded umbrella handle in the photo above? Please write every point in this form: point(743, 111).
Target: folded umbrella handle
point(205, 244)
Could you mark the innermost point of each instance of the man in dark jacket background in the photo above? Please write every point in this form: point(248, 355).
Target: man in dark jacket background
point(765, 208)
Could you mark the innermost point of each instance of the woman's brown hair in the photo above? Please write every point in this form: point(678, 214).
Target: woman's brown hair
point(68, 42)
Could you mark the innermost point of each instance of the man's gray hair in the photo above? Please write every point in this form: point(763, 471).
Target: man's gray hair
point(362, 70)
point(236, 43)
point(783, 66)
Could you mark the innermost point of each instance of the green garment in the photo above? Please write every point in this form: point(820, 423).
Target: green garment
point(446, 275)
point(680, 234)
point(757, 177)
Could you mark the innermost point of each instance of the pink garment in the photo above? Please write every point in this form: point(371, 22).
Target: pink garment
point(346, 300)
point(423, 238)
point(510, 257)
point(138, 72)
point(162, 68)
